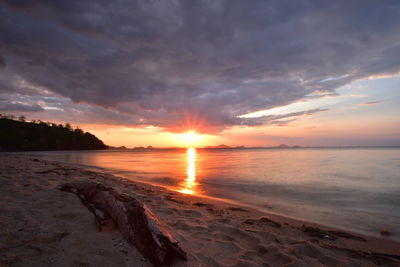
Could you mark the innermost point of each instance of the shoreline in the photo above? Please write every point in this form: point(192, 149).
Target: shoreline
point(371, 225)
point(212, 232)
point(267, 212)
point(369, 221)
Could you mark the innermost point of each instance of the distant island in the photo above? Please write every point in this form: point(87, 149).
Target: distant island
point(19, 135)
point(222, 146)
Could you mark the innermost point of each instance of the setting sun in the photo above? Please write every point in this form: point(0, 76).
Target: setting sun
point(191, 138)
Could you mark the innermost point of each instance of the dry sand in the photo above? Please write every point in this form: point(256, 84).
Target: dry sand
point(42, 226)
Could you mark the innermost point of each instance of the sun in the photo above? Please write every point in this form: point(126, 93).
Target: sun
point(191, 138)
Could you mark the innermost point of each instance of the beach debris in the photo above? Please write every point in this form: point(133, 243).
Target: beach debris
point(262, 220)
point(385, 232)
point(201, 204)
point(170, 198)
point(326, 237)
point(249, 221)
point(348, 235)
point(262, 250)
point(57, 170)
point(329, 234)
point(316, 232)
point(237, 209)
point(268, 220)
point(215, 211)
point(135, 221)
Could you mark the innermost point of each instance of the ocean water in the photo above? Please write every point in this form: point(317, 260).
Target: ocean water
point(356, 189)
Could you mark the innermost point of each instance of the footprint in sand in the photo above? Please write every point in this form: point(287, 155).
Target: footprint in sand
point(247, 240)
point(191, 213)
point(225, 253)
point(50, 238)
point(169, 211)
point(182, 225)
point(68, 216)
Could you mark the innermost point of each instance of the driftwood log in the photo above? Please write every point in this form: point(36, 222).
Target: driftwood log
point(135, 221)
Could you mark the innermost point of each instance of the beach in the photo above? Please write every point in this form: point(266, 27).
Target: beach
point(43, 226)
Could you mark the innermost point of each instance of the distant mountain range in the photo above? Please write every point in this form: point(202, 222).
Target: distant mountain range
point(222, 146)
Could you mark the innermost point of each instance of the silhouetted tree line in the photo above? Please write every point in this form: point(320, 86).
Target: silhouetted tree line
point(19, 135)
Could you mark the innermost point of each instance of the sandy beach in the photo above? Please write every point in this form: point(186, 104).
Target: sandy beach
point(43, 226)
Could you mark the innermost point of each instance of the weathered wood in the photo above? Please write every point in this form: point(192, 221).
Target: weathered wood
point(135, 221)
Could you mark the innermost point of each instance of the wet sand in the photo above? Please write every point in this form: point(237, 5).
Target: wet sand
point(43, 226)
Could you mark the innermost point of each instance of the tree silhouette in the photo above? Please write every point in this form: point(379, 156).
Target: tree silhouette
point(21, 118)
point(31, 136)
point(68, 126)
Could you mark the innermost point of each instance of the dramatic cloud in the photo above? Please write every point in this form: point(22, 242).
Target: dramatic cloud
point(2, 63)
point(199, 63)
point(276, 119)
point(16, 106)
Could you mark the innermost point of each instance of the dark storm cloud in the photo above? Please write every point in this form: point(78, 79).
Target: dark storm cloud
point(171, 63)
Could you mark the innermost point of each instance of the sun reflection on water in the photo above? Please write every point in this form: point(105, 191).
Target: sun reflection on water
point(189, 184)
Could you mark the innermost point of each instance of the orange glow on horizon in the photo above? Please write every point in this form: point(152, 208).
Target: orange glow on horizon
point(191, 138)
point(188, 186)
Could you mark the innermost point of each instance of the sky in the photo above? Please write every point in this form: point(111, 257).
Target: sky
point(253, 73)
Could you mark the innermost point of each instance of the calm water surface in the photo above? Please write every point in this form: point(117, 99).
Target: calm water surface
point(354, 189)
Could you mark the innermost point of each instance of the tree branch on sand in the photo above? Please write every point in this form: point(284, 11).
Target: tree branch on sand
point(135, 221)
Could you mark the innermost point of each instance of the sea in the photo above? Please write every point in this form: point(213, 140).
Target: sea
point(355, 189)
